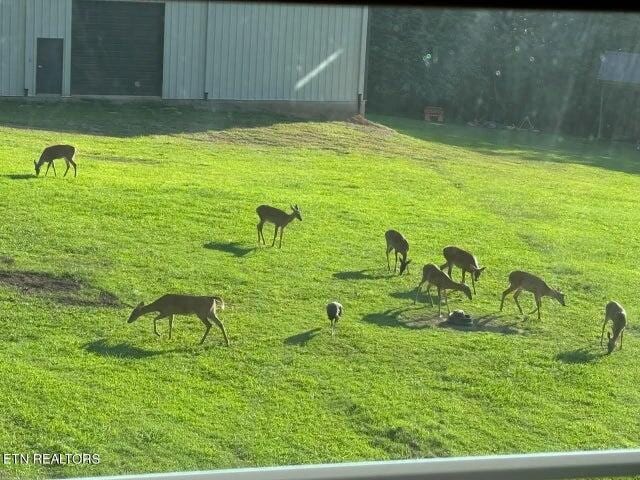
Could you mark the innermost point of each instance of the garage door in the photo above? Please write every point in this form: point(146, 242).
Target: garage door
point(116, 48)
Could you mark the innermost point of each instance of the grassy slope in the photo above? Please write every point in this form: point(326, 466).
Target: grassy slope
point(165, 201)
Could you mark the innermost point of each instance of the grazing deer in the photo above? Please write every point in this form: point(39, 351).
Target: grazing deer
point(205, 308)
point(519, 281)
point(614, 312)
point(434, 276)
point(55, 152)
point(396, 241)
point(334, 312)
point(278, 217)
point(462, 259)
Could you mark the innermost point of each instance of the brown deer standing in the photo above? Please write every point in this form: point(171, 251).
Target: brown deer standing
point(614, 312)
point(462, 259)
point(205, 308)
point(278, 217)
point(396, 241)
point(519, 281)
point(55, 152)
point(434, 276)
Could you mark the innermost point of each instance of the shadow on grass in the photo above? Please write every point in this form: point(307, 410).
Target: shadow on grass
point(121, 350)
point(361, 275)
point(423, 298)
point(139, 118)
point(525, 145)
point(303, 338)
point(20, 176)
point(234, 248)
point(393, 318)
point(580, 355)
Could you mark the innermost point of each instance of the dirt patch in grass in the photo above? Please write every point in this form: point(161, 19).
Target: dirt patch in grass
point(62, 289)
point(7, 260)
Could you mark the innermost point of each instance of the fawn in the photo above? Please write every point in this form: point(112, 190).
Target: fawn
point(614, 312)
point(334, 312)
point(466, 261)
point(278, 217)
point(396, 241)
point(519, 281)
point(434, 276)
point(55, 152)
point(205, 308)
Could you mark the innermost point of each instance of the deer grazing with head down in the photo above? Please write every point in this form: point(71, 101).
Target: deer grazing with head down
point(397, 242)
point(205, 308)
point(615, 312)
point(464, 260)
point(434, 276)
point(519, 281)
point(278, 217)
point(55, 152)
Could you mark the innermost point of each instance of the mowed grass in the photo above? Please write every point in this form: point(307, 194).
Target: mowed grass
point(165, 201)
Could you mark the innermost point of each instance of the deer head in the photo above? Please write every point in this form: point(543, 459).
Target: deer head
point(296, 212)
point(136, 313)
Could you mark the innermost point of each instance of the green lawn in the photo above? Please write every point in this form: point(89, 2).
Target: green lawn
point(165, 201)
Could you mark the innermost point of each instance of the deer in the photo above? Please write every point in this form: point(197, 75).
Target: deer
point(334, 312)
point(519, 281)
point(464, 260)
point(615, 312)
point(397, 242)
point(55, 152)
point(278, 217)
point(171, 304)
point(434, 276)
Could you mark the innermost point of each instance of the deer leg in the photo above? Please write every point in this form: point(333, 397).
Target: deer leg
point(417, 292)
point(604, 325)
point(473, 282)
point(47, 170)
point(537, 309)
point(207, 325)
point(54, 169)
point(429, 293)
point(388, 265)
point(259, 227)
point(66, 161)
point(464, 273)
point(395, 265)
point(218, 322)
point(155, 323)
point(73, 164)
point(504, 295)
point(275, 235)
point(281, 232)
point(439, 302)
point(515, 297)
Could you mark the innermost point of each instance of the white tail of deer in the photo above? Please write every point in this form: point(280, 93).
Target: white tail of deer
point(205, 308)
point(55, 152)
point(397, 242)
point(434, 276)
point(519, 281)
point(464, 260)
point(278, 217)
point(615, 312)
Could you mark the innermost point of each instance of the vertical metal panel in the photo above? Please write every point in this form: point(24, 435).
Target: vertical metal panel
point(47, 19)
point(12, 42)
point(283, 52)
point(185, 38)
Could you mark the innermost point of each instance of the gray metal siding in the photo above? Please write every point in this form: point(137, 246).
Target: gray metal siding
point(185, 35)
point(12, 41)
point(249, 51)
point(47, 19)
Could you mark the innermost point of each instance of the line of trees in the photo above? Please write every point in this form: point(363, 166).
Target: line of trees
point(501, 66)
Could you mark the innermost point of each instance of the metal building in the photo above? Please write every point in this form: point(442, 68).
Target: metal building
point(290, 57)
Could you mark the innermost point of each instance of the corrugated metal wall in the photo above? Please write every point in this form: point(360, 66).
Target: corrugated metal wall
point(185, 36)
point(12, 38)
point(47, 19)
point(263, 51)
point(232, 50)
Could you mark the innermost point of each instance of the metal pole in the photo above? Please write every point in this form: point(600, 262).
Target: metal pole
point(600, 117)
point(538, 466)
